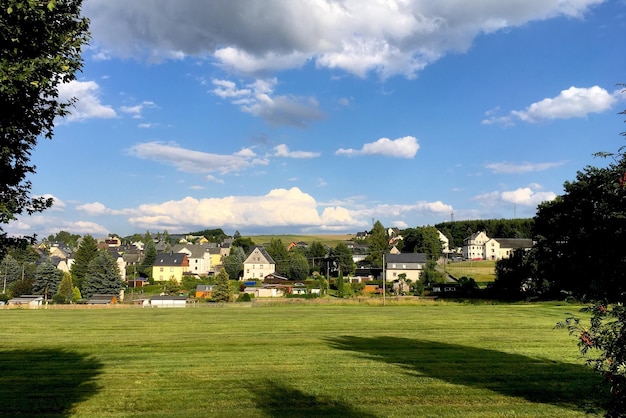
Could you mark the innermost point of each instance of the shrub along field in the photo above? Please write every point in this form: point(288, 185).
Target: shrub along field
point(349, 360)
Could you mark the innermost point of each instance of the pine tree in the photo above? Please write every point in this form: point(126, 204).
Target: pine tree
point(66, 287)
point(103, 276)
point(149, 255)
point(222, 292)
point(86, 252)
point(47, 279)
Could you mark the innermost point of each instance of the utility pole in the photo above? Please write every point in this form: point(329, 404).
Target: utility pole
point(384, 279)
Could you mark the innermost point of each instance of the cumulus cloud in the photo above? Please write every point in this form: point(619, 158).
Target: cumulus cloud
point(521, 168)
point(405, 147)
point(523, 196)
point(279, 207)
point(389, 38)
point(258, 99)
point(421, 207)
point(574, 102)
point(87, 105)
point(47, 225)
point(191, 161)
point(283, 151)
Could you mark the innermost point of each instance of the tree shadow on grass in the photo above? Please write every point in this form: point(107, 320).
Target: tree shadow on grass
point(536, 380)
point(278, 400)
point(45, 382)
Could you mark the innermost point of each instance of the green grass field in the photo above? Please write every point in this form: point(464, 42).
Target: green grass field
point(481, 271)
point(355, 360)
point(329, 240)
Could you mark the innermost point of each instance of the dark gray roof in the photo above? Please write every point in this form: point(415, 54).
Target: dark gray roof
point(515, 242)
point(406, 258)
point(169, 259)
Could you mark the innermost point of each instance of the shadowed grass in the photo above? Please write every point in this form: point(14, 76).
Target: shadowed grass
point(435, 359)
point(536, 380)
point(45, 382)
point(278, 400)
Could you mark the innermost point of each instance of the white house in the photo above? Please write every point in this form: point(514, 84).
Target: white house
point(258, 264)
point(445, 242)
point(409, 264)
point(499, 248)
point(199, 257)
point(474, 246)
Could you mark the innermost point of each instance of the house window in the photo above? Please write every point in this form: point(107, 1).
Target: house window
point(171, 269)
point(404, 266)
point(395, 274)
point(161, 269)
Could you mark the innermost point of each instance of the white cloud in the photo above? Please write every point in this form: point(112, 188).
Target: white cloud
point(95, 208)
point(574, 102)
point(191, 161)
point(524, 196)
point(387, 37)
point(396, 210)
point(88, 104)
point(47, 225)
point(512, 168)
point(136, 110)
point(279, 208)
point(283, 151)
point(258, 99)
point(405, 147)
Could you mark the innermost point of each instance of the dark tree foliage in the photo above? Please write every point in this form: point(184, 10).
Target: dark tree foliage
point(149, 256)
point(71, 240)
point(221, 290)
point(341, 260)
point(86, 252)
point(517, 278)
point(213, 235)
point(233, 263)
point(103, 276)
point(47, 279)
point(11, 271)
point(246, 243)
point(279, 253)
point(315, 254)
point(298, 266)
point(580, 235)
point(422, 240)
point(41, 48)
point(457, 231)
point(378, 243)
point(21, 287)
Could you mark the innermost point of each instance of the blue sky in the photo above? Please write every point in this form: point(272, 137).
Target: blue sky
point(322, 116)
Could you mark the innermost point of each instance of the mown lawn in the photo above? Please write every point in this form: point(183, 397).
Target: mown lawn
point(438, 359)
point(483, 271)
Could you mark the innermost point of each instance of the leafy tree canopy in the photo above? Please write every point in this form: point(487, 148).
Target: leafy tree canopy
point(41, 49)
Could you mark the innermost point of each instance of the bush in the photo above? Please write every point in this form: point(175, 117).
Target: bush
point(603, 345)
point(244, 297)
point(59, 298)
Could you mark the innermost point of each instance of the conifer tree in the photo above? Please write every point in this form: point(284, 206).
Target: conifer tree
point(86, 252)
point(66, 287)
point(47, 279)
point(222, 292)
point(103, 276)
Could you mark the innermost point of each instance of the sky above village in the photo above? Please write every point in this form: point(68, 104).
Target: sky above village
point(323, 116)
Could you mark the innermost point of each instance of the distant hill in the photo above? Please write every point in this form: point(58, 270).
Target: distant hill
point(329, 240)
